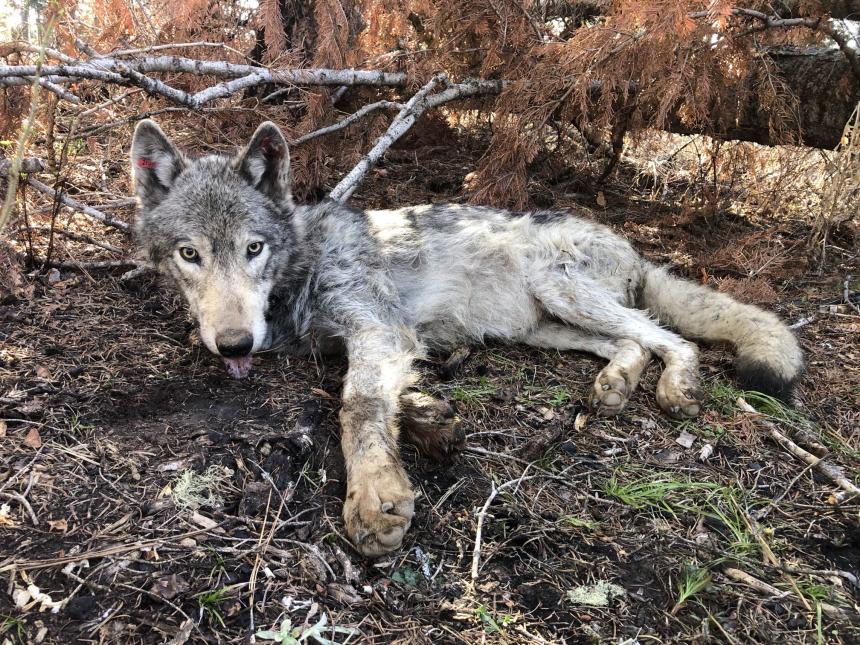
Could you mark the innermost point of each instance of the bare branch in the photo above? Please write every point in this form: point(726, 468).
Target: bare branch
point(348, 121)
point(45, 83)
point(78, 237)
point(223, 90)
point(833, 473)
point(134, 72)
point(99, 265)
point(20, 46)
point(28, 164)
point(83, 208)
point(404, 120)
point(821, 23)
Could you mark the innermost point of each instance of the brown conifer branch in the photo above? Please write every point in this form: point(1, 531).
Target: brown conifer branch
point(821, 23)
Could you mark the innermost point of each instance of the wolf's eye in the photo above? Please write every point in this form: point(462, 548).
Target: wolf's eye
point(254, 249)
point(189, 254)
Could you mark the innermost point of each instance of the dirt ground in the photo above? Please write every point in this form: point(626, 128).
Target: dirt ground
point(592, 529)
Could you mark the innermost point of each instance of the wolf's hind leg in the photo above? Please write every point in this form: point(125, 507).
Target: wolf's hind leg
point(616, 382)
point(585, 303)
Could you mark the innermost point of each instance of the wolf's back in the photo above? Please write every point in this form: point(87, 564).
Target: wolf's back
point(768, 359)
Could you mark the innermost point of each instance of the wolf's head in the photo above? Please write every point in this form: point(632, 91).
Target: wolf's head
point(221, 228)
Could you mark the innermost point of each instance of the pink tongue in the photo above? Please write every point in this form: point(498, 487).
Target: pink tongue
point(238, 367)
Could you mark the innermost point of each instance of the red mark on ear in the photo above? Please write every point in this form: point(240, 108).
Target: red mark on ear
point(271, 148)
point(145, 163)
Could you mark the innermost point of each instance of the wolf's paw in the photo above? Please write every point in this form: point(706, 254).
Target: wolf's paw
point(611, 391)
point(678, 392)
point(432, 426)
point(378, 509)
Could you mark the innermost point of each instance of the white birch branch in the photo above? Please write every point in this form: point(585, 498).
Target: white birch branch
point(404, 120)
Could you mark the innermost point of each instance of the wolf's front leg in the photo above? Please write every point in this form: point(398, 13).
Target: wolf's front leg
point(379, 500)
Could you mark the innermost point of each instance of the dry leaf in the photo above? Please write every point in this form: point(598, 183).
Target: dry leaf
point(44, 372)
point(2, 428)
point(601, 199)
point(170, 586)
point(58, 525)
point(6, 519)
point(580, 421)
point(33, 440)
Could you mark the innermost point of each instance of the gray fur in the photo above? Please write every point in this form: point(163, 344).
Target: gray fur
point(386, 284)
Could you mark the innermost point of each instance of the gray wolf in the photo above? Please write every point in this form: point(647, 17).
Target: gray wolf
point(259, 270)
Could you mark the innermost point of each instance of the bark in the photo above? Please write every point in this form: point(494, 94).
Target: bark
point(826, 94)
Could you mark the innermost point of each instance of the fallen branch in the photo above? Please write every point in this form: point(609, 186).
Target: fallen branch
point(28, 164)
point(833, 473)
point(71, 203)
point(754, 583)
point(77, 237)
point(482, 514)
point(98, 265)
point(348, 121)
point(408, 115)
point(45, 84)
point(134, 72)
point(763, 587)
point(25, 504)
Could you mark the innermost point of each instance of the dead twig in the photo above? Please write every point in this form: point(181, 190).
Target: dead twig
point(348, 121)
point(408, 115)
point(71, 203)
point(833, 473)
point(11, 564)
point(99, 265)
point(77, 237)
point(45, 84)
point(23, 502)
point(482, 514)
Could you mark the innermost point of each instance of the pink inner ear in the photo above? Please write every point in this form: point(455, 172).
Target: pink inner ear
point(145, 163)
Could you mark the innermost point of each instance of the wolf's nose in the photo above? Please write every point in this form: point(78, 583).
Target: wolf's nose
point(234, 343)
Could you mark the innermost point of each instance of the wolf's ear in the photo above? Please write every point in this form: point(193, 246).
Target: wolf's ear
point(155, 163)
point(265, 163)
